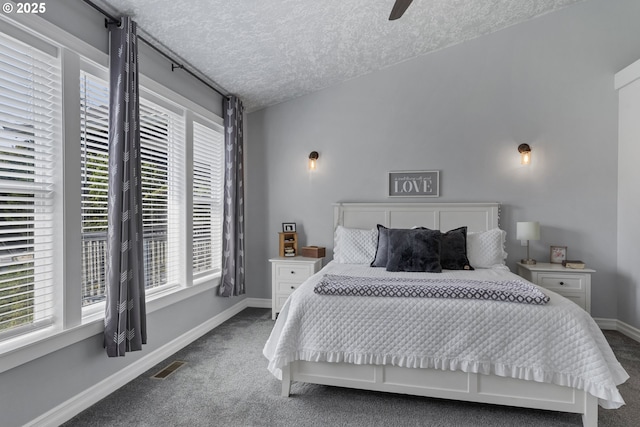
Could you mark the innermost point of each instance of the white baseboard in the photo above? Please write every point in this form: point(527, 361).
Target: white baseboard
point(629, 330)
point(606, 324)
point(258, 302)
point(618, 325)
point(67, 410)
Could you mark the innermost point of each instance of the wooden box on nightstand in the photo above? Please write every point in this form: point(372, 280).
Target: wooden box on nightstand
point(287, 273)
point(572, 283)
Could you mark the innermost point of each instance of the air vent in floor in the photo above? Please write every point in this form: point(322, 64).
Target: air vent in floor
point(165, 372)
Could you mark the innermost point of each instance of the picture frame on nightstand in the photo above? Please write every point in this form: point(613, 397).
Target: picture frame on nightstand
point(557, 254)
point(288, 227)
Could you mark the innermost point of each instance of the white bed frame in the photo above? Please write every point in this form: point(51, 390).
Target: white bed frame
point(431, 382)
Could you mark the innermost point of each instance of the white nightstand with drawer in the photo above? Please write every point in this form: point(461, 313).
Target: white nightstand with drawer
point(572, 283)
point(287, 273)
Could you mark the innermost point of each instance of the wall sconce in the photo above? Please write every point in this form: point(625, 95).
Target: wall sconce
point(525, 154)
point(313, 157)
point(528, 231)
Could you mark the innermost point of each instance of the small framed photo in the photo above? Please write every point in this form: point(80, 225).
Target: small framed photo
point(289, 227)
point(557, 254)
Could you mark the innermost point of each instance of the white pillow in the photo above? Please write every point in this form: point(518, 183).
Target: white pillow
point(485, 249)
point(355, 246)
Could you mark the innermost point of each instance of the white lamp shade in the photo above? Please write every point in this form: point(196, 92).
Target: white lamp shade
point(528, 230)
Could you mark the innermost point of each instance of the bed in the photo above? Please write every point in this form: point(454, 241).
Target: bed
point(546, 355)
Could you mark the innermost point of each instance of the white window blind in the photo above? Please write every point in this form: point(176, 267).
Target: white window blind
point(162, 141)
point(30, 102)
point(208, 173)
point(94, 138)
point(161, 138)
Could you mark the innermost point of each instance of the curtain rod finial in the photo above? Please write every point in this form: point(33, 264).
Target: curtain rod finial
point(108, 22)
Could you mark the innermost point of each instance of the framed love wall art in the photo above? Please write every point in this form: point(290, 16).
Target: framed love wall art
point(414, 184)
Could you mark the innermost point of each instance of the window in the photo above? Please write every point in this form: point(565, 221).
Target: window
point(54, 117)
point(94, 137)
point(208, 159)
point(162, 143)
point(161, 136)
point(29, 138)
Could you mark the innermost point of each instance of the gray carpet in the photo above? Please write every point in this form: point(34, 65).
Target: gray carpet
point(225, 383)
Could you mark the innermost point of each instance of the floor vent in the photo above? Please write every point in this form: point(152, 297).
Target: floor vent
point(165, 372)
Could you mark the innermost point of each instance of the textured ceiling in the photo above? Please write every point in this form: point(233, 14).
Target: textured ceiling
point(269, 51)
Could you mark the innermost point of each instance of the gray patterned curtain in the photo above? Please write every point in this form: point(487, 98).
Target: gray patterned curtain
point(232, 282)
point(125, 326)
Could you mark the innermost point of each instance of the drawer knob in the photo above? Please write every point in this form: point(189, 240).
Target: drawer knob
point(293, 272)
point(561, 283)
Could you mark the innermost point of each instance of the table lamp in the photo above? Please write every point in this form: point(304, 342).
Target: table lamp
point(528, 231)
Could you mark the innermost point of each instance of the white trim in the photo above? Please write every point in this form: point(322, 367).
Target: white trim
point(73, 406)
point(607, 324)
point(628, 330)
point(42, 28)
point(258, 302)
point(627, 75)
point(620, 326)
point(147, 85)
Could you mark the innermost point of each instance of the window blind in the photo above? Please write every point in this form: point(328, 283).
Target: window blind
point(94, 146)
point(30, 102)
point(162, 141)
point(208, 161)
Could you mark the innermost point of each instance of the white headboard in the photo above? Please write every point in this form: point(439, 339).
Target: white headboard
point(436, 216)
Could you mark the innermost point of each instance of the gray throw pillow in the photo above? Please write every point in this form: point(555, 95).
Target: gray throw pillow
point(414, 250)
point(380, 260)
point(453, 250)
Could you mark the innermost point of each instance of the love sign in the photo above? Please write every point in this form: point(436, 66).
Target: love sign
point(414, 184)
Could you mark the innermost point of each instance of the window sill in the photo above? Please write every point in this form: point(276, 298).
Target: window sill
point(22, 349)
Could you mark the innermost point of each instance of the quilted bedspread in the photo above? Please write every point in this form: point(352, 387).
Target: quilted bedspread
point(557, 343)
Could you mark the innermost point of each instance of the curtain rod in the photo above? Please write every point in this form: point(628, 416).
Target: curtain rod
point(111, 20)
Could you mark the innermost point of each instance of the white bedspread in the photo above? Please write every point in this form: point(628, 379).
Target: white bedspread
point(557, 343)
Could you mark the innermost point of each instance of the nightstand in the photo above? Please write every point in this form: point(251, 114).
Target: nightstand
point(287, 273)
point(572, 283)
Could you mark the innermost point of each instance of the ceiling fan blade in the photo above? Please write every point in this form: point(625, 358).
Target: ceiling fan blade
point(399, 8)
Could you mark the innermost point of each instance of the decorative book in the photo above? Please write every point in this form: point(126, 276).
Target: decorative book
point(573, 264)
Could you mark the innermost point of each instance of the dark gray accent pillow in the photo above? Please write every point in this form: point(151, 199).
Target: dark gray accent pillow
point(414, 250)
point(380, 260)
point(453, 250)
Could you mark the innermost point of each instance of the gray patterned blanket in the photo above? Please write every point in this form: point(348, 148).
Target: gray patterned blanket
point(508, 291)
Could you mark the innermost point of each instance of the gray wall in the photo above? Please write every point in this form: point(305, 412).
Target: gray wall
point(463, 110)
point(34, 388)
